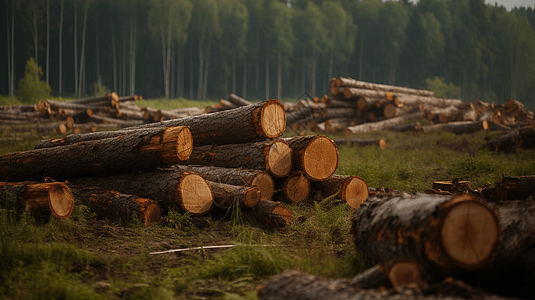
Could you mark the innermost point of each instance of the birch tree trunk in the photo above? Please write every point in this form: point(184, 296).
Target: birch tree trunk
point(60, 89)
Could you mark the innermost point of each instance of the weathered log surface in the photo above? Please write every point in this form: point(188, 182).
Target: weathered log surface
point(237, 100)
point(361, 143)
point(152, 149)
point(455, 186)
point(172, 189)
point(292, 189)
point(415, 100)
point(235, 176)
point(42, 199)
point(349, 82)
point(444, 234)
point(461, 127)
point(509, 188)
point(241, 125)
point(271, 214)
point(227, 195)
point(373, 95)
point(116, 206)
point(508, 143)
point(110, 99)
point(315, 155)
point(273, 156)
point(351, 189)
point(385, 124)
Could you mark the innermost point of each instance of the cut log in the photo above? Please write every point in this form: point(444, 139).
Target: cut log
point(509, 188)
point(273, 156)
point(120, 123)
point(339, 125)
point(368, 95)
point(221, 106)
point(179, 113)
point(391, 110)
point(404, 274)
point(272, 214)
point(365, 103)
point(336, 113)
point(111, 99)
point(43, 199)
point(508, 143)
point(172, 189)
point(143, 150)
point(227, 195)
point(315, 155)
point(414, 100)
point(239, 101)
point(115, 206)
point(244, 124)
point(385, 124)
point(335, 91)
point(410, 127)
point(361, 143)
point(349, 82)
point(446, 235)
point(292, 189)
point(235, 176)
point(455, 186)
point(331, 102)
point(351, 189)
point(461, 127)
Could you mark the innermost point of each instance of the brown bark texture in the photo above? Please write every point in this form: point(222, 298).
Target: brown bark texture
point(461, 127)
point(221, 106)
point(415, 100)
point(446, 235)
point(349, 82)
point(315, 155)
point(271, 214)
point(227, 195)
point(350, 189)
point(508, 143)
point(42, 199)
point(173, 190)
point(237, 100)
point(385, 124)
point(509, 188)
point(361, 142)
point(273, 156)
point(410, 127)
point(356, 93)
point(292, 189)
point(115, 206)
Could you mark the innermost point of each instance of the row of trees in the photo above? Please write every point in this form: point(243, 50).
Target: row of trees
point(268, 48)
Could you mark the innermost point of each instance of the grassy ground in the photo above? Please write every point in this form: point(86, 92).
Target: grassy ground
point(86, 258)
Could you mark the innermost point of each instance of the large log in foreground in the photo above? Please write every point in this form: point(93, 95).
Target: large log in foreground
point(274, 156)
point(315, 155)
point(256, 122)
point(444, 234)
point(42, 199)
point(116, 206)
point(351, 189)
point(172, 189)
point(148, 150)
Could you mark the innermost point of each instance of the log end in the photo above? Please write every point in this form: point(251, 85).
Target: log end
point(272, 119)
point(252, 197)
point(389, 110)
point(382, 144)
point(194, 194)
point(297, 187)
point(173, 146)
point(404, 273)
point(152, 213)
point(60, 200)
point(279, 158)
point(265, 184)
point(362, 103)
point(320, 158)
point(355, 191)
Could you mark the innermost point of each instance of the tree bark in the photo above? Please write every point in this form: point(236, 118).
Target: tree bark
point(185, 190)
point(355, 93)
point(348, 82)
point(508, 143)
point(361, 143)
point(509, 188)
point(273, 156)
point(228, 195)
point(292, 189)
point(462, 127)
point(115, 206)
point(410, 127)
point(233, 98)
point(43, 199)
point(138, 151)
point(111, 99)
point(350, 189)
point(221, 106)
point(446, 235)
point(385, 124)
point(271, 214)
point(414, 100)
point(315, 155)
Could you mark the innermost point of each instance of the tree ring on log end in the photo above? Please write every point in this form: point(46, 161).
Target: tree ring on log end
point(60, 200)
point(404, 273)
point(195, 194)
point(265, 184)
point(355, 191)
point(152, 213)
point(320, 159)
point(184, 145)
point(279, 158)
point(273, 119)
point(297, 188)
point(470, 233)
point(252, 197)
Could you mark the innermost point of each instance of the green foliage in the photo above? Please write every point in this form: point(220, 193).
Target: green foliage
point(442, 89)
point(100, 89)
point(31, 89)
point(181, 221)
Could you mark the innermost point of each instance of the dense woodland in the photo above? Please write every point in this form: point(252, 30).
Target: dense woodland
point(262, 49)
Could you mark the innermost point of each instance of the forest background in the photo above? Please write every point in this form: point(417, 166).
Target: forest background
point(261, 49)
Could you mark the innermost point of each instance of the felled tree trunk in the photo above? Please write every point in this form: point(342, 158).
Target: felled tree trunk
point(509, 188)
point(337, 113)
point(235, 176)
point(179, 113)
point(273, 156)
point(120, 123)
point(462, 127)
point(446, 235)
point(43, 199)
point(331, 102)
point(244, 124)
point(292, 189)
point(115, 206)
point(349, 82)
point(415, 100)
point(227, 195)
point(361, 143)
point(271, 214)
point(410, 127)
point(351, 189)
point(391, 110)
point(356, 93)
point(172, 189)
point(315, 155)
point(454, 186)
point(508, 143)
point(385, 124)
point(239, 101)
point(110, 99)
point(221, 106)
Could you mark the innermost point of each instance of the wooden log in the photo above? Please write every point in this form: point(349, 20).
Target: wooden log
point(239, 101)
point(120, 123)
point(110, 99)
point(336, 113)
point(361, 142)
point(20, 107)
point(509, 188)
point(273, 156)
point(172, 189)
point(335, 91)
point(244, 124)
point(356, 93)
point(340, 124)
point(42, 199)
point(331, 102)
point(446, 235)
point(115, 206)
point(350, 189)
point(385, 124)
point(127, 113)
point(56, 127)
point(461, 127)
point(409, 127)
point(349, 82)
point(181, 113)
point(315, 155)
point(365, 103)
point(414, 100)
point(143, 150)
point(228, 195)
point(235, 176)
point(292, 189)
point(221, 106)
point(508, 143)
point(272, 214)
point(455, 186)
point(391, 110)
